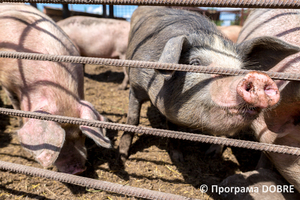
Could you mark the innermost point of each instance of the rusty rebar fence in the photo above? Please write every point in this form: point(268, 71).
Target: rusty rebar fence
point(127, 190)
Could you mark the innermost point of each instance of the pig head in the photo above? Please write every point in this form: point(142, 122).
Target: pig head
point(62, 144)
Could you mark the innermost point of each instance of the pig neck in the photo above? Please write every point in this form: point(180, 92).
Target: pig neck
point(50, 100)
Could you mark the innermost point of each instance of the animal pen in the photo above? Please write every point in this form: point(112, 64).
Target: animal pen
point(124, 189)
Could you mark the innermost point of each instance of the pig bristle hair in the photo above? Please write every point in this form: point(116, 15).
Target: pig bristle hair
point(296, 160)
point(81, 153)
point(269, 109)
point(266, 112)
point(242, 108)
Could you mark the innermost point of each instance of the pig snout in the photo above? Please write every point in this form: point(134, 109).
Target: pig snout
point(73, 168)
point(258, 90)
point(76, 170)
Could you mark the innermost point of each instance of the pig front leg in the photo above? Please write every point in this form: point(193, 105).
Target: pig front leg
point(215, 150)
point(13, 98)
point(132, 119)
point(174, 145)
point(14, 101)
point(264, 162)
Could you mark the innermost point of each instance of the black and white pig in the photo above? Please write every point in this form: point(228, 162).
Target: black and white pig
point(46, 87)
point(219, 105)
point(279, 125)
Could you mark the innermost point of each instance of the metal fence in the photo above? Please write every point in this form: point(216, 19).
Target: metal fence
point(137, 192)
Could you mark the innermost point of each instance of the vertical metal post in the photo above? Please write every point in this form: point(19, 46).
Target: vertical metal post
point(66, 11)
point(33, 4)
point(111, 11)
point(104, 10)
point(242, 17)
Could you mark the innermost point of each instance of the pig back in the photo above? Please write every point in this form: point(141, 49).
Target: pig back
point(96, 37)
point(281, 23)
point(25, 29)
point(152, 27)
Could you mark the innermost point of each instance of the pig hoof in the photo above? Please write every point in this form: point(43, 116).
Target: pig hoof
point(123, 158)
point(176, 156)
point(122, 87)
point(119, 164)
point(215, 150)
point(77, 172)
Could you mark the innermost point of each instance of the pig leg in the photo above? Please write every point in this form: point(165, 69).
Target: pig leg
point(174, 145)
point(15, 102)
point(13, 98)
point(215, 150)
point(83, 68)
point(132, 119)
point(126, 77)
point(264, 162)
point(125, 80)
point(175, 152)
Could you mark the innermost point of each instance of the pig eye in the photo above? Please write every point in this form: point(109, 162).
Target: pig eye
point(195, 62)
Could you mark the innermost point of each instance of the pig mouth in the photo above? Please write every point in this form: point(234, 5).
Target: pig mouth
point(245, 110)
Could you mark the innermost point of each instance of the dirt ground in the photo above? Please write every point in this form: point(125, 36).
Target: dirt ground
point(149, 165)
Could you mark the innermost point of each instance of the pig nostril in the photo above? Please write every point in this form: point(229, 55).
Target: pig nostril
point(269, 90)
point(268, 87)
point(249, 86)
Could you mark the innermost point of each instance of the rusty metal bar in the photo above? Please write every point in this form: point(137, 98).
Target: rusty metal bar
point(199, 3)
point(157, 132)
point(91, 183)
point(143, 64)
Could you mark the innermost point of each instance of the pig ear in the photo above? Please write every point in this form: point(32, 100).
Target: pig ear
point(171, 54)
point(97, 134)
point(44, 139)
point(265, 52)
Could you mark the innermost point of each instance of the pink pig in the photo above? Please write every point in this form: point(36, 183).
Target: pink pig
point(279, 125)
point(46, 87)
point(96, 37)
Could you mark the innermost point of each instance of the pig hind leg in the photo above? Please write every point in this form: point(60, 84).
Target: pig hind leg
point(125, 80)
point(126, 77)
